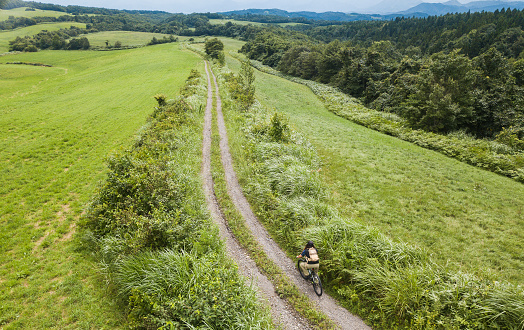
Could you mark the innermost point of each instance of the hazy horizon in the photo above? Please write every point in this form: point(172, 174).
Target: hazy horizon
point(201, 6)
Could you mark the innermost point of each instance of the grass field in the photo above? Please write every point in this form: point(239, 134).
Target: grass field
point(472, 218)
point(234, 21)
point(60, 124)
point(21, 12)
point(126, 38)
point(6, 36)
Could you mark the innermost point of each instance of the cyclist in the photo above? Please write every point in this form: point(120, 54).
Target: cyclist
point(311, 255)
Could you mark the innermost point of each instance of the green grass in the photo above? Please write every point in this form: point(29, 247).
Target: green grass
point(21, 12)
point(457, 212)
point(61, 123)
point(126, 38)
point(6, 36)
point(216, 21)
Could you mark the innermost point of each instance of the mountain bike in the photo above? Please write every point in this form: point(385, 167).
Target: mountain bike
point(311, 276)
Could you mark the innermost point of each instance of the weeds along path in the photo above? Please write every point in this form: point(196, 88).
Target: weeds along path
point(283, 315)
point(339, 315)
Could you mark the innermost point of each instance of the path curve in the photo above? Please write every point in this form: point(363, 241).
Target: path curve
point(339, 315)
point(283, 315)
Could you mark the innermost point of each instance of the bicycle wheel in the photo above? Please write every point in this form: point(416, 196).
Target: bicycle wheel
point(304, 275)
point(317, 284)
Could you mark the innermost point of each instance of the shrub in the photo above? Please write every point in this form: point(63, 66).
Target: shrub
point(161, 99)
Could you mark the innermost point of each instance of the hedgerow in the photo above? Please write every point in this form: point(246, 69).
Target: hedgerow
point(504, 159)
point(149, 228)
point(391, 284)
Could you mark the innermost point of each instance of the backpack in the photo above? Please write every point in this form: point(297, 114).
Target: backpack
point(313, 255)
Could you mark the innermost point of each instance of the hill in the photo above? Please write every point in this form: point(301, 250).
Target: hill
point(62, 122)
point(336, 16)
point(432, 9)
point(386, 10)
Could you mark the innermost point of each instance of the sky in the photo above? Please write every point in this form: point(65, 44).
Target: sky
point(200, 6)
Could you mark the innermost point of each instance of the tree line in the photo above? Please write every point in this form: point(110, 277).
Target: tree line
point(60, 39)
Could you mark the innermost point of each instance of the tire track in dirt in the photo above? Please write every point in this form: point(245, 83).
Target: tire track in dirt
point(283, 315)
point(339, 315)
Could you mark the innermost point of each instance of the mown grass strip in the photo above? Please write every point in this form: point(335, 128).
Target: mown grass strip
point(283, 285)
point(485, 154)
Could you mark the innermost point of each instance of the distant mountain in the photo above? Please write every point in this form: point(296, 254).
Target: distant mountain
point(325, 16)
point(431, 9)
point(391, 6)
point(419, 10)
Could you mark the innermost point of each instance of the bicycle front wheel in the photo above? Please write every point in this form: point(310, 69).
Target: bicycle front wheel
point(304, 275)
point(317, 284)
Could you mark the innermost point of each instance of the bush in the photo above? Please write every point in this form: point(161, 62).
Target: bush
point(161, 99)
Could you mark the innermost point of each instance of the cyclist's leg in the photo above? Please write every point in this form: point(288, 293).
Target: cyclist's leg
point(303, 265)
point(313, 267)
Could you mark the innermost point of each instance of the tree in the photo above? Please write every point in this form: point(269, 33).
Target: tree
point(242, 87)
point(80, 43)
point(214, 48)
point(2, 3)
point(444, 96)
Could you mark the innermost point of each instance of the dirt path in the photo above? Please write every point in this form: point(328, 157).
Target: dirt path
point(283, 315)
point(325, 303)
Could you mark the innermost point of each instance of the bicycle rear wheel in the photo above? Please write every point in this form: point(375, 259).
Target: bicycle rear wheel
point(317, 284)
point(304, 275)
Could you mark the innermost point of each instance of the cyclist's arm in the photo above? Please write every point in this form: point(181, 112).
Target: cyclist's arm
point(303, 254)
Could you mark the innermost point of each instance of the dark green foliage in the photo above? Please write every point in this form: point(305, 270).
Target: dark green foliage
point(278, 128)
point(242, 86)
point(144, 200)
point(214, 47)
point(52, 40)
point(164, 40)
point(76, 44)
point(443, 97)
point(161, 99)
